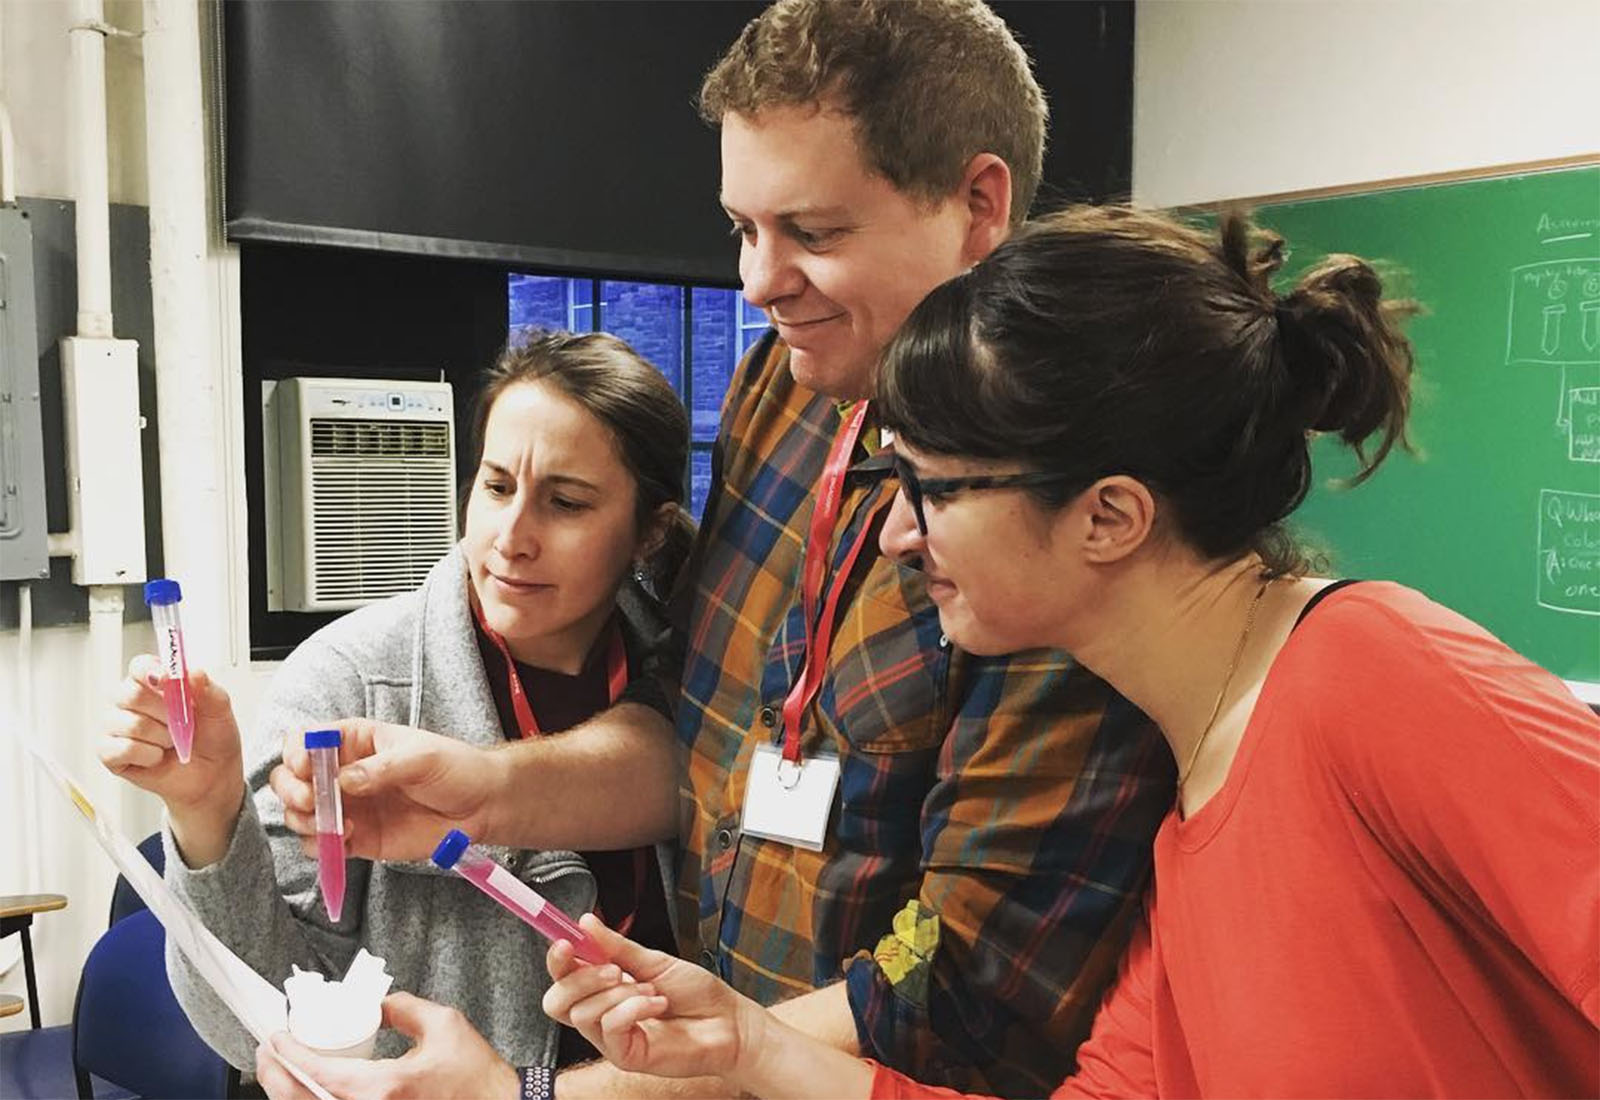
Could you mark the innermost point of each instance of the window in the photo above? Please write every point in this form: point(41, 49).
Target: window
point(539, 301)
point(752, 323)
point(580, 305)
point(694, 335)
point(650, 317)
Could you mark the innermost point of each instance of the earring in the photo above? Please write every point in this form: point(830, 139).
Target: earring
point(640, 576)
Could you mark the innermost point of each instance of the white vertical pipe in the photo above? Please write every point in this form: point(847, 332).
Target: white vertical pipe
point(92, 203)
point(87, 62)
point(190, 387)
point(30, 718)
point(8, 151)
point(18, 780)
point(105, 671)
point(8, 145)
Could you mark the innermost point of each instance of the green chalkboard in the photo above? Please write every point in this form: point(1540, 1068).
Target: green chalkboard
point(1499, 515)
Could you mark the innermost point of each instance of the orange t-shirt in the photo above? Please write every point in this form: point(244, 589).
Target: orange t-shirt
point(1396, 892)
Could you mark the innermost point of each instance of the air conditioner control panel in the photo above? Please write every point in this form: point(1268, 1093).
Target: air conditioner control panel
point(425, 400)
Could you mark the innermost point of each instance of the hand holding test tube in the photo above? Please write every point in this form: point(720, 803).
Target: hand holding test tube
point(323, 748)
point(163, 597)
point(457, 853)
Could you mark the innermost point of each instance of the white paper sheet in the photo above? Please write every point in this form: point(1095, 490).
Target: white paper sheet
point(259, 1005)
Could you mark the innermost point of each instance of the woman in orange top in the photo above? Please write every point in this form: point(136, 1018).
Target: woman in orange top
point(1380, 877)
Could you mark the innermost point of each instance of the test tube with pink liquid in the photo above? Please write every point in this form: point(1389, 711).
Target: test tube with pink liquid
point(162, 597)
point(323, 748)
point(457, 853)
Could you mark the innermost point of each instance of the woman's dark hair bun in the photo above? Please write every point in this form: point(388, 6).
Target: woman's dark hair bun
point(1348, 359)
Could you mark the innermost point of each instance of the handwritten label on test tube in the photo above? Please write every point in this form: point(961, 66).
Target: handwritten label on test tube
point(457, 853)
point(323, 748)
point(163, 597)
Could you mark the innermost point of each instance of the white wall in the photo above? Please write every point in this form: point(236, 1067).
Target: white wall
point(45, 847)
point(48, 849)
point(33, 79)
point(1242, 98)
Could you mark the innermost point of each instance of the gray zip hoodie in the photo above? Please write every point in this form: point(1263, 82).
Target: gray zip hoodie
point(411, 659)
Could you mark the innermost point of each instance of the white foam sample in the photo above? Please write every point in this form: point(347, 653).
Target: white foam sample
point(338, 1015)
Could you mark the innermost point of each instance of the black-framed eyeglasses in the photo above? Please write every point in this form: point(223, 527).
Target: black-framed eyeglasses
point(919, 489)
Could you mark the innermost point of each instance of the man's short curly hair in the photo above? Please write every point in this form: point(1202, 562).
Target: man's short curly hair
point(929, 84)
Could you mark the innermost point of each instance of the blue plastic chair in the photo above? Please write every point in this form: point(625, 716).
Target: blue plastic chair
point(128, 1028)
point(36, 1063)
point(125, 900)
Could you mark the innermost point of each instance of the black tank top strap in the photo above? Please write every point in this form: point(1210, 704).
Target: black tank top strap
point(1322, 595)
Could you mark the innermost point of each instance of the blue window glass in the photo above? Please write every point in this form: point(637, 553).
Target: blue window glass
point(650, 317)
point(580, 305)
point(536, 301)
point(714, 354)
point(752, 324)
point(699, 480)
point(550, 302)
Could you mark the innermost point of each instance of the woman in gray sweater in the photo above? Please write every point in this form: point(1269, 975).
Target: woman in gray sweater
point(528, 627)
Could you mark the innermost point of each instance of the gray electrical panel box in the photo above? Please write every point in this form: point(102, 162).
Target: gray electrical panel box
point(24, 551)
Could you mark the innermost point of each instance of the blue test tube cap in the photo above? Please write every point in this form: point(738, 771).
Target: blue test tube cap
point(450, 848)
point(161, 591)
point(323, 739)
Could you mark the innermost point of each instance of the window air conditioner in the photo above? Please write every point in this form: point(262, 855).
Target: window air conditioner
point(360, 489)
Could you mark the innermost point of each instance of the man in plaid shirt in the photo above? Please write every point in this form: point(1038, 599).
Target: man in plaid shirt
point(994, 815)
point(990, 829)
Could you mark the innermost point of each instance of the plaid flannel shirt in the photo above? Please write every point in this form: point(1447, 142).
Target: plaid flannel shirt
point(994, 819)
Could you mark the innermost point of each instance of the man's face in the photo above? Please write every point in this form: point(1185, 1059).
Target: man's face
point(836, 255)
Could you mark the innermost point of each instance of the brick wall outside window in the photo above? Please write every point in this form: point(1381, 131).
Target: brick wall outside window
point(654, 317)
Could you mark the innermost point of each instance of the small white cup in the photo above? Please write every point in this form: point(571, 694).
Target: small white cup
point(339, 1018)
point(336, 1038)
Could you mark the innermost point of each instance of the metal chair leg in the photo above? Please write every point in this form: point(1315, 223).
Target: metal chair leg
point(33, 985)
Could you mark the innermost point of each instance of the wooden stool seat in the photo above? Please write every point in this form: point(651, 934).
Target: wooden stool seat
point(9, 1005)
point(16, 914)
point(23, 905)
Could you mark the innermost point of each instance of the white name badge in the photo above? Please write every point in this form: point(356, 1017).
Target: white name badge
point(790, 802)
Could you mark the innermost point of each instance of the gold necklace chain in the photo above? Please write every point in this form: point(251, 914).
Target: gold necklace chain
point(1227, 681)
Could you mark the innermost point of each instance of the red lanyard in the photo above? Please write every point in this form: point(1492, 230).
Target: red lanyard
point(819, 639)
point(528, 726)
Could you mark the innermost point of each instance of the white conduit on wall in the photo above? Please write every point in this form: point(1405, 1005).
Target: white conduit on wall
point(8, 150)
point(190, 404)
point(34, 881)
point(25, 712)
point(92, 210)
point(90, 167)
point(8, 145)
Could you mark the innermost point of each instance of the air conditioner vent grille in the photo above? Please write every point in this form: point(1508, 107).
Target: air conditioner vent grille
point(380, 438)
point(379, 524)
